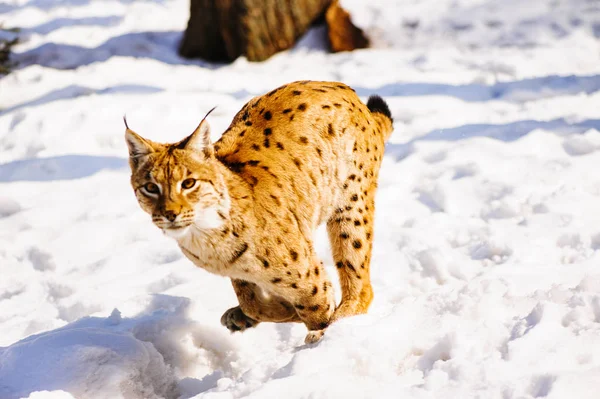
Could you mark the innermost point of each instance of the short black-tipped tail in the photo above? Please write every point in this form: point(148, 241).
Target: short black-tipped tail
point(377, 105)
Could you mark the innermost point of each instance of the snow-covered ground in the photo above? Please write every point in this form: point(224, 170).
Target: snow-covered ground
point(486, 263)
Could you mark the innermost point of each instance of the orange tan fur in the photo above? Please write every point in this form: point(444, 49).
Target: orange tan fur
point(246, 206)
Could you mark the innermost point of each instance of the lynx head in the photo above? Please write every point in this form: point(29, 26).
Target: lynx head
point(178, 184)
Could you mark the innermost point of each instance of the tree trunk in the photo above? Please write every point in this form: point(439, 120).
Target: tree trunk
point(222, 30)
point(8, 38)
point(343, 35)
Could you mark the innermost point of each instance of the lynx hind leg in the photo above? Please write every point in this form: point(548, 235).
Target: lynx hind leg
point(350, 232)
point(256, 307)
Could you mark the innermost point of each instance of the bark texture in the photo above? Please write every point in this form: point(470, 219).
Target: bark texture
point(222, 30)
point(343, 35)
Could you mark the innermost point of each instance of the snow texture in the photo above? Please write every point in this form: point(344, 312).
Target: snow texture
point(487, 236)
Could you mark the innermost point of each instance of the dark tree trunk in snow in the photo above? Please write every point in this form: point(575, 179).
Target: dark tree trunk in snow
point(343, 35)
point(222, 30)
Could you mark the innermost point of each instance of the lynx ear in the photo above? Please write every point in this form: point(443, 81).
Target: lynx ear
point(138, 146)
point(199, 140)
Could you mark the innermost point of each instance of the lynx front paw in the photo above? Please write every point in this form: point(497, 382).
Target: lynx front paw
point(314, 336)
point(235, 320)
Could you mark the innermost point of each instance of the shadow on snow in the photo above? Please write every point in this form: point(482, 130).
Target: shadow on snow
point(505, 132)
point(65, 167)
point(515, 91)
point(161, 46)
point(58, 23)
point(141, 351)
point(74, 91)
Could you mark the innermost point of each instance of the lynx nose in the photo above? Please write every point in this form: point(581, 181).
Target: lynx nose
point(170, 215)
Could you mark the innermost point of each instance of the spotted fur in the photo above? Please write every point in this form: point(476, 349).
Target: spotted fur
point(301, 155)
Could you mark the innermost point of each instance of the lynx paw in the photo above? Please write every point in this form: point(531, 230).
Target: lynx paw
point(235, 320)
point(314, 336)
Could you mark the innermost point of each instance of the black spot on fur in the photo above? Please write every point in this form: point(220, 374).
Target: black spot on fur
point(344, 236)
point(287, 110)
point(315, 290)
point(330, 130)
point(357, 244)
point(303, 140)
point(377, 104)
point(253, 162)
point(236, 167)
point(314, 308)
point(339, 265)
point(326, 106)
point(268, 115)
point(302, 107)
point(299, 307)
point(276, 280)
point(267, 143)
point(255, 147)
point(294, 255)
point(268, 131)
point(239, 252)
point(280, 146)
point(248, 123)
point(296, 92)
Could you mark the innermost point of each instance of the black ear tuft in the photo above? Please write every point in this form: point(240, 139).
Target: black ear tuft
point(377, 104)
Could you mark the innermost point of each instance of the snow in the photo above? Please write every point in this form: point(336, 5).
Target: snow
point(487, 237)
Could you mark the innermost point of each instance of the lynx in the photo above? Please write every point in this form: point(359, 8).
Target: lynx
point(246, 206)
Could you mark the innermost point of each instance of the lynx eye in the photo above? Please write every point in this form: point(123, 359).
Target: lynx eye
point(151, 188)
point(188, 183)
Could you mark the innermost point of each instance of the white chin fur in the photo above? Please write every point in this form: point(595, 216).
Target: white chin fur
point(176, 233)
point(208, 218)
